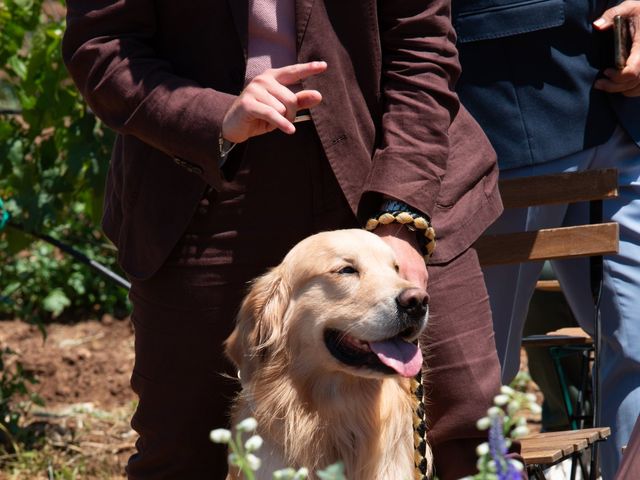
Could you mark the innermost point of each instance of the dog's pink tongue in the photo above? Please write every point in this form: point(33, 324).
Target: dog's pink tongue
point(404, 357)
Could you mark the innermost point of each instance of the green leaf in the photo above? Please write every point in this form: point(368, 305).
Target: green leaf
point(18, 66)
point(56, 302)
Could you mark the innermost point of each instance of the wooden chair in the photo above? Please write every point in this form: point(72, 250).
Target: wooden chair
point(569, 342)
point(593, 240)
point(541, 450)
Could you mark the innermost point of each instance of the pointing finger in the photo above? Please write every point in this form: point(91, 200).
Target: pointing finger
point(295, 73)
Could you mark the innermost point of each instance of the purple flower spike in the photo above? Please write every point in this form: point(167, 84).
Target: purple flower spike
point(505, 470)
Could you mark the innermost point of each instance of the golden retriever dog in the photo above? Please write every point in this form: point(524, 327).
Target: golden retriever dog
point(325, 345)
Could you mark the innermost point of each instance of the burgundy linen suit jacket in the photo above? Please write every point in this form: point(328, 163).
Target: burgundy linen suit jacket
point(162, 73)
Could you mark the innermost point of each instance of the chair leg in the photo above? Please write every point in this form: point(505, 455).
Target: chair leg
point(537, 473)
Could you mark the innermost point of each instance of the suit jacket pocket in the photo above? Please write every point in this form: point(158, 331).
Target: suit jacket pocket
point(489, 19)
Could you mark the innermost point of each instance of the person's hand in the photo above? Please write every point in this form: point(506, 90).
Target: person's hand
point(627, 80)
point(405, 245)
point(266, 103)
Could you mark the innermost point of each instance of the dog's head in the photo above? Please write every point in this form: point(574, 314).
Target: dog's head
point(335, 303)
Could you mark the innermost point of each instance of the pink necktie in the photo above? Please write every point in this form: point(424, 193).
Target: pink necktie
point(272, 35)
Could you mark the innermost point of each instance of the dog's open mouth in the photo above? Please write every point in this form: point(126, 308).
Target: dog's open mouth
point(390, 356)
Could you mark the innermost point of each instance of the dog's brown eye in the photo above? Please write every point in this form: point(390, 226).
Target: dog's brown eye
point(349, 270)
point(397, 268)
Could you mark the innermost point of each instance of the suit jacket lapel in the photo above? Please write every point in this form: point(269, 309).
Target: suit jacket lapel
point(303, 10)
point(240, 13)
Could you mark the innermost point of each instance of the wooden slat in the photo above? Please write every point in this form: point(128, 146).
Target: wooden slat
point(549, 447)
point(541, 457)
point(568, 445)
point(572, 331)
point(547, 244)
point(541, 341)
point(590, 434)
point(558, 338)
point(548, 286)
point(559, 188)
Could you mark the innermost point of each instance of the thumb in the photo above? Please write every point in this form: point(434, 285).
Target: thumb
point(606, 20)
point(308, 99)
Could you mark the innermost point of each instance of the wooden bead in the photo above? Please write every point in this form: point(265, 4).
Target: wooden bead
point(386, 218)
point(372, 224)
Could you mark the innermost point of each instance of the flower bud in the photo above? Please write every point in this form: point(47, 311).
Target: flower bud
point(506, 390)
point(301, 474)
point(520, 432)
point(247, 425)
point(482, 449)
point(253, 444)
point(500, 400)
point(483, 424)
point(253, 461)
point(284, 474)
point(220, 435)
point(535, 408)
point(494, 412)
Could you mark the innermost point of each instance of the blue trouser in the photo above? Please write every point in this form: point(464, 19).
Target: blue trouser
point(511, 287)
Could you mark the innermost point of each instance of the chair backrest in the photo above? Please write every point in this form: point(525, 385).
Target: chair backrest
point(591, 239)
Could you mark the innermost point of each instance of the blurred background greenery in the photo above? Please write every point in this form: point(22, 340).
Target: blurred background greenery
point(54, 155)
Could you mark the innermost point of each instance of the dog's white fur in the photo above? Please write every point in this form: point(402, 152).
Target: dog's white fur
point(312, 410)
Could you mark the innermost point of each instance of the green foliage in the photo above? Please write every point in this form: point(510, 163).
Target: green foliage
point(13, 384)
point(56, 152)
point(53, 161)
point(41, 283)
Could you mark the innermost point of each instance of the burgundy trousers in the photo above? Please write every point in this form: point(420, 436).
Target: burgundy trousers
point(281, 190)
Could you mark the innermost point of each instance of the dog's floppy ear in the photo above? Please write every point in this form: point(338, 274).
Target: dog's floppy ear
point(260, 321)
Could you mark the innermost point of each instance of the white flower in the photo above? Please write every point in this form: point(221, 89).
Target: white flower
point(521, 422)
point(492, 466)
point(247, 425)
point(535, 408)
point(501, 400)
point(253, 444)
point(506, 390)
point(513, 407)
point(494, 412)
point(482, 449)
point(520, 431)
point(253, 461)
point(284, 474)
point(531, 397)
point(484, 423)
point(220, 435)
point(516, 464)
point(301, 474)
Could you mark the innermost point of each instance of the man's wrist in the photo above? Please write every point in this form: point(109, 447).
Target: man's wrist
point(393, 212)
point(224, 148)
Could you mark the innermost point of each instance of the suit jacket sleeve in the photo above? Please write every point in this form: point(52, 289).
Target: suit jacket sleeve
point(108, 49)
point(419, 68)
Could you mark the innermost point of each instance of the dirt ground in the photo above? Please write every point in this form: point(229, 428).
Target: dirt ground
point(83, 372)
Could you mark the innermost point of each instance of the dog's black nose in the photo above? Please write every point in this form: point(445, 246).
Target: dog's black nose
point(413, 301)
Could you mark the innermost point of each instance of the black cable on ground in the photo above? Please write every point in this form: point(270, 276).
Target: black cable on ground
point(79, 256)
